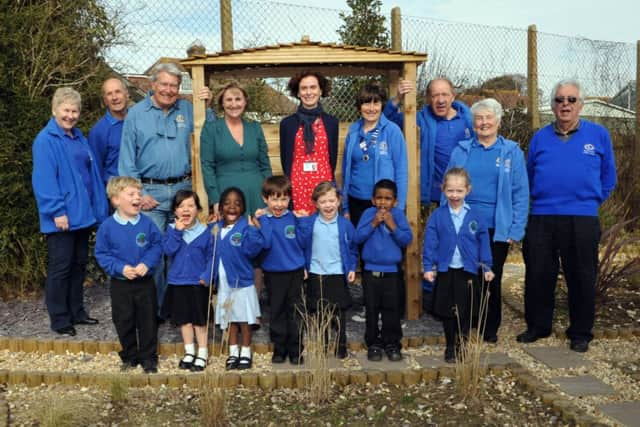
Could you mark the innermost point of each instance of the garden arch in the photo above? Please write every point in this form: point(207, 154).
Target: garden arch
point(285, 60)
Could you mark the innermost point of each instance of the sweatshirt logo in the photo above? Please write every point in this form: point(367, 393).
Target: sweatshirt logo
point(589, 150)
point(141, 240)
point(467, 133)
point(235, 239)
point(384, 148)
point(290, 232)
point(473, 226)
point(180, 122)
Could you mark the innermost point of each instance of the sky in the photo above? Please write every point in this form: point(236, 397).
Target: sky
point(593, 19)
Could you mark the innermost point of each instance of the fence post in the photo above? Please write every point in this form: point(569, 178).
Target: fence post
point(636, 148)
point(532, 76)
point(396, 29)
point(226, 25)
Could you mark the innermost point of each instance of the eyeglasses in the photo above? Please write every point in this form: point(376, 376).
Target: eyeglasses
point(562, 99)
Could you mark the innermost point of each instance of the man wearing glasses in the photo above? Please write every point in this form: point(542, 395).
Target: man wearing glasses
point(571, 173)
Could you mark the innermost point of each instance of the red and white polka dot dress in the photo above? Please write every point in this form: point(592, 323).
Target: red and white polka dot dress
point(303, 183)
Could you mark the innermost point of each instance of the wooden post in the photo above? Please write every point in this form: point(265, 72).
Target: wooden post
point(396, 29)
point(199, 114)
point(226, 25)
point(636, 149)
point(413, 259)
point(532, 76)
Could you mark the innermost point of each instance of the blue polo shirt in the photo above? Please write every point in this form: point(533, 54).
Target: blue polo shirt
point(325, 249)
point(448, 133)
point(105, 138)
point(155, 144)
point(483, 166)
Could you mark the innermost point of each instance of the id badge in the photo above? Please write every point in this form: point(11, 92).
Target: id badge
point(310, 167)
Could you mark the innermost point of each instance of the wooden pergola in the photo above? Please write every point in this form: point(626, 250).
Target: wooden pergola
point(286, 60)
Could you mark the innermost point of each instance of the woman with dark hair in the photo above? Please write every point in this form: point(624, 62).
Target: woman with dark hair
point(308, 139)
point(233, 152)
point(375, 149)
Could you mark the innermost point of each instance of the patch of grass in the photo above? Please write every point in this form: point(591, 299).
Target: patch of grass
point(213, 401)
point(63, 412)
point(118, 389)
point(407, 399)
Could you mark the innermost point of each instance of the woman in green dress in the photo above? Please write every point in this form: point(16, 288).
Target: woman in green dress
point(233, 152)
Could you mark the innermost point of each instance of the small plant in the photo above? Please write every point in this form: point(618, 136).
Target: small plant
point(213, 400)
point(470, 365)
point(63, 412)
point(318, 343)
point(118, 389)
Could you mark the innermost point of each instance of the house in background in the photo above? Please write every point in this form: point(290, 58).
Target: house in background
point(615, 118)
point(626, 97)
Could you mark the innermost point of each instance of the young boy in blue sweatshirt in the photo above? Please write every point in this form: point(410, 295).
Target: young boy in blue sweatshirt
point(128, 248)
point(383, 232)
point(283, 265)
point(456, 246)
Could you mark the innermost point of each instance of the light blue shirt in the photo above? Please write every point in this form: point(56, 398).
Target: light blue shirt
point(155, 144)
point(458, 219)
point(325, 249)
point(190, 234)
point(123, 221)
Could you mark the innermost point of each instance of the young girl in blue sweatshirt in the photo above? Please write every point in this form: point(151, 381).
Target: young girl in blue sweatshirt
point(238, 243)
point(456, 246)
point(189, 245)
point(330, 259)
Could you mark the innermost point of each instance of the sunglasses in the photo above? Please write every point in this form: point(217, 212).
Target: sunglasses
point(569, 99)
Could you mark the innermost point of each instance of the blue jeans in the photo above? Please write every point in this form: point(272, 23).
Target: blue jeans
point(67, 254)
point(162, 216)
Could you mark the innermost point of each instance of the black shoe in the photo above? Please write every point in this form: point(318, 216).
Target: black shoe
point(87, 321)
point(244, 363)
point(341, 353)
point(150, 369)
point(393, 354)
point(198, 367)
point(184, 364)
point(278, 358)
point(529, 336)
point(296, 359)
point(450, 355)
point(580, 346)
point(67, 330)
point(231, 363)
point(374, 354)
point(491, 339)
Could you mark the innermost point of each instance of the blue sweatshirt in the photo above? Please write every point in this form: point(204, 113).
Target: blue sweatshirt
point(237, 250)
point(346, 232)
point(189, 254)
point(58, 185)
point(512, 197)
point(283, 242)
point(572, 177)
point(441, 239)
point(382, 248)
point(428, 124)
point(120, 243)
point(390, 159)
point(104, 138)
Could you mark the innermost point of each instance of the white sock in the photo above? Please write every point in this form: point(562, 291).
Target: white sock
point(245, 352)
point(189, 352)
point(234, 350)
point(203, 355)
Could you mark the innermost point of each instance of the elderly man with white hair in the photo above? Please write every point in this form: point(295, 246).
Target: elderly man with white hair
point(499, 192)
point(572, 172)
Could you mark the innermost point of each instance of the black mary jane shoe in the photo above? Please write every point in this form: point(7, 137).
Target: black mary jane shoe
point(184, 364)
point(245, 362)
point(232, 363)
point(198, 368)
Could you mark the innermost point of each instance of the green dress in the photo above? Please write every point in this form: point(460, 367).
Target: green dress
point(225, 163)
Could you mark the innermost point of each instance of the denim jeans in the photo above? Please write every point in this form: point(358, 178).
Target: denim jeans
point(162, 215)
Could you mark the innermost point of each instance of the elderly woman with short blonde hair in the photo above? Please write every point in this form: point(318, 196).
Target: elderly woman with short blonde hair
point(71, 200)
point(500, 193)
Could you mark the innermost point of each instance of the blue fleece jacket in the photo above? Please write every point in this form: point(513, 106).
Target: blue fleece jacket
point(188, 260)
point(512, 197)
point(382, 248)
point(284, 243)
point(346, 232)
point(572, 177)
point(237, 250)
point(428, 124)
point(135, 242)
point(390, 158)
point(58, 186)
point(441, 239)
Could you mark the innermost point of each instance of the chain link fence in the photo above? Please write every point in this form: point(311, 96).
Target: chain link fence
point(473, 56)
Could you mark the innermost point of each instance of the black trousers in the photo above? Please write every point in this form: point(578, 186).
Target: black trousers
point(381, 298)
point(285, 300)
point(329, 292)
point(67, 254)
point(573, 241)
point(499, 252)
point(134, 308)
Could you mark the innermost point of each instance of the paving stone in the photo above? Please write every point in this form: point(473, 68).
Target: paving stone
point(383, 365)
point(584, 385)
point(558, 357)
point(332, 363)
point(498, 359)
point(431, 361)
point(627, 413)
